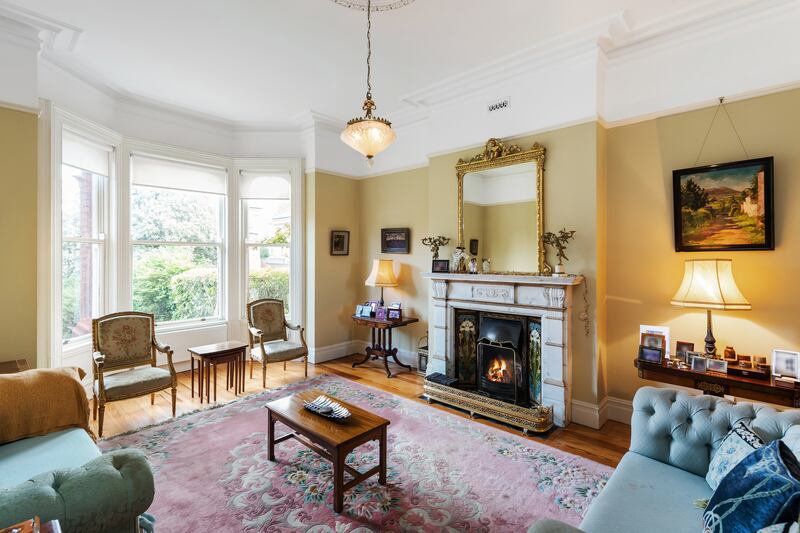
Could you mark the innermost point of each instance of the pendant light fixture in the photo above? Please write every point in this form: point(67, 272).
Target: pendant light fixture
point(369, 135)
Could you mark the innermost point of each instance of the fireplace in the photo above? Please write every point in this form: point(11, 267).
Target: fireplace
point(544, 303)
point(494, 353)
point(497, 371)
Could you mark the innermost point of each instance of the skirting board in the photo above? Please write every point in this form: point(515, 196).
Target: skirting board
point(334, 351)
point(594, 416)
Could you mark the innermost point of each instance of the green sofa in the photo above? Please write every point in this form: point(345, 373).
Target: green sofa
point(674, 435)
point(63, 475)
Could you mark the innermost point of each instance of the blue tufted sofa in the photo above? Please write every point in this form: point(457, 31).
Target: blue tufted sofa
point(674, 435)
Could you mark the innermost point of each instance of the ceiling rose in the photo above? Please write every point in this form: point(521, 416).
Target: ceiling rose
point(377, 5)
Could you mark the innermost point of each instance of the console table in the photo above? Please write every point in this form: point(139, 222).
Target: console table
point(381, 345)
point(719, 384)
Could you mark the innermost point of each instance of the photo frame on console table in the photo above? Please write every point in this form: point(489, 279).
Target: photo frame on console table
point(724, 207)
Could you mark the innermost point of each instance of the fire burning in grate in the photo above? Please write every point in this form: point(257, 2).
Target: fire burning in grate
point(498, 371)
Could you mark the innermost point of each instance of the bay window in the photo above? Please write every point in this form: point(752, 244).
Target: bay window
point(176, 228)
point(267, 235)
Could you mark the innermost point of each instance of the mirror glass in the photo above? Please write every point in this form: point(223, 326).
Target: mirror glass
point(500, 212)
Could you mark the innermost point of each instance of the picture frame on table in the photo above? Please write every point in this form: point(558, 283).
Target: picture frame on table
point(657, 330)
point(745, 361)
point(373, 306)
point(395, 240)
point(380, 313)
point(699, 364)
point(710, 200)
point(682, 348)
point(394, 305)
point(394, 314)
point(440, 265)
point(717, 365)
point(786, 364)
point(340, 242)
point(649, 354)
point(363, 311)
point(653, 340)
point(730, 356)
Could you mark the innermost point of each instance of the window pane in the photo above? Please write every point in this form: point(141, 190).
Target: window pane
point(80, 288)
point(81, 197)
point(268, 221)
point(268, 273)
point(170, 215)
point(176, 282)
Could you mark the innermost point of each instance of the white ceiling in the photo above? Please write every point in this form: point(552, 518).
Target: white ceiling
point(270, 61)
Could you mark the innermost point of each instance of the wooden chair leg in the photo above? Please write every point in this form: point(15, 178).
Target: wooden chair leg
point(305, 366)
point(284, 366)
point(100, 420)
point(251, 368)
point(152, 398)
point(264, 375)
point(174, 399)
point(94, 406)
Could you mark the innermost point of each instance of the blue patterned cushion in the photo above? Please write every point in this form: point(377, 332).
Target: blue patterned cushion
point(760, 491)
point(737, 444)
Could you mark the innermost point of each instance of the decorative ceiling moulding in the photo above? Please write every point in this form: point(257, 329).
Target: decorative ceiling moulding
point(377, 5)
point(50, 30)
point(700, 19)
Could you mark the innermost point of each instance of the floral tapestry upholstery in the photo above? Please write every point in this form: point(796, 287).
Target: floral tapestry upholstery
point(268, 317)
point(125, 340)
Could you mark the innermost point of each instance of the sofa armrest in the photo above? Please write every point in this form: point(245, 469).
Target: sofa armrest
point(106, 494)
point(552, 526)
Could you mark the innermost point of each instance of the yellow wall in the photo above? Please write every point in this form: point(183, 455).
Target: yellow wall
point(570, 196)
point(510, 236)
point(18, 147)
point(398, 200)
point(644, 270)
point(332, 282)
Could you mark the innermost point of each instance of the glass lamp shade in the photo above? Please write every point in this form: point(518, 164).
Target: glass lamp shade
point(368, 136)
point(709, 284)
point(382, 274)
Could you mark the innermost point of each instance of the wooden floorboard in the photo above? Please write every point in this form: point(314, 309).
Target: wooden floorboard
point(606, 445)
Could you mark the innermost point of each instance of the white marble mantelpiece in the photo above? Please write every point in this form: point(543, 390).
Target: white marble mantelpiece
point(546, 297)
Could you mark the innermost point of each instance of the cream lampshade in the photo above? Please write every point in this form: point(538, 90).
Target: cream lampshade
point(382, 275)
point(708, 284)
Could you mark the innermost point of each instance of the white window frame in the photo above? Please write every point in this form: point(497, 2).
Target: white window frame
point(179, 155)
point(62, 120)
point(296, 249)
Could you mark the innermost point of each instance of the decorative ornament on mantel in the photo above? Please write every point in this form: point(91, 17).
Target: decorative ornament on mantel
point(435, 243)
point(368, 135)
point(559, 242)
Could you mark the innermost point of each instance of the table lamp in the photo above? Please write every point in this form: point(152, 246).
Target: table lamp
point(382, 275)
point(708, 284)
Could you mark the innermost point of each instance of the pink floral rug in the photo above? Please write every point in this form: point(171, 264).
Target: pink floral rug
point(445, 473)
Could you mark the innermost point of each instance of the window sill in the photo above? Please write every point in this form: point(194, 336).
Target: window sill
point(77, 347)
point(178, 327)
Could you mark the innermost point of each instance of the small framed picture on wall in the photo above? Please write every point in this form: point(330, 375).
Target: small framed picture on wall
point(340, 242)
point(395, 240)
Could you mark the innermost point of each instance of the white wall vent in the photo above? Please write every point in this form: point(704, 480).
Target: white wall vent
point(498, 105)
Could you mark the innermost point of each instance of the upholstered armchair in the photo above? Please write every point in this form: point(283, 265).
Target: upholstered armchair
point(124, 361)
point(268, 340)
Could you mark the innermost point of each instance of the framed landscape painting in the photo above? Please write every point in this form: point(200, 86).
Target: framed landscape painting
point(724, 207)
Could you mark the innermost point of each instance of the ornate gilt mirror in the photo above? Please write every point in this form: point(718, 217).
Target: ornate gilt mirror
point(500, 205)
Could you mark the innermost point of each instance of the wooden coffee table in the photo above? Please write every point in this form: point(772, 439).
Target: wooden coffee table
point(332, 440)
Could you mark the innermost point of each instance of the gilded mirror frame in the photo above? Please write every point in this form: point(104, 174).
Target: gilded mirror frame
point(496, 154)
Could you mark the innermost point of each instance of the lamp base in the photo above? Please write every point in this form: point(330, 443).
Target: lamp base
point(711, 342)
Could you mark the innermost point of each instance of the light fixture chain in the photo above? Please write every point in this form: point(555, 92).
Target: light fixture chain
point(369, 49)
point(710, 126)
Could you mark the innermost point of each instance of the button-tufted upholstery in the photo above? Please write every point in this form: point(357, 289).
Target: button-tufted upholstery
point(674, 435)
point(685, 431)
